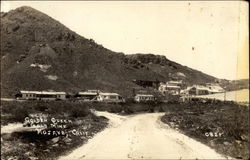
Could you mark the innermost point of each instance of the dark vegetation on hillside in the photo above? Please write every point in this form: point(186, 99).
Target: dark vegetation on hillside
point(31, 37)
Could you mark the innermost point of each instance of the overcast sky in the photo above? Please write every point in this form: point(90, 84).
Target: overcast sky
point(208, 36)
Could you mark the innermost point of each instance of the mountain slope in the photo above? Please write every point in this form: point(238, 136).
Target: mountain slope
point(39, 53)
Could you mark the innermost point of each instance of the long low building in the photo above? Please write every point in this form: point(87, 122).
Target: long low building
point(97, 95)
point(87, 95)
point(41, 95)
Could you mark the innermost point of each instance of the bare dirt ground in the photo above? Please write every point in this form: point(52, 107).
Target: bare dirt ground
point(8, 99)
point(12, 127)
point(141, 136)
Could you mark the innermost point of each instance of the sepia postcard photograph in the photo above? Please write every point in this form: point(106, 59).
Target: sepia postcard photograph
point(124, 80)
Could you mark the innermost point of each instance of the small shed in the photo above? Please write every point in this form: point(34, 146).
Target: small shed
point(109, 97)
point(144, 97)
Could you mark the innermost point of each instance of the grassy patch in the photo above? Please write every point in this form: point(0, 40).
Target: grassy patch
point(125, 108)
point(17, 110)
point(223, 126)
point(31, 145)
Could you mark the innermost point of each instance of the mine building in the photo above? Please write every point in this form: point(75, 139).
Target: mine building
point(144, 97)
point(41, 95)
point(198, 90)
point(171, 87)
point(204, 89)
point(109, 97)
point(214, 88)
point(87, 95)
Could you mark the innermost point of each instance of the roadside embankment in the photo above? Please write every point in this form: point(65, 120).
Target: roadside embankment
point(46, 130)
point(222, 126)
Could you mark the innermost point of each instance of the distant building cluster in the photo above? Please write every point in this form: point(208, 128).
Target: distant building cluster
point(89, 95)
point(177, 89)
point(182, 92)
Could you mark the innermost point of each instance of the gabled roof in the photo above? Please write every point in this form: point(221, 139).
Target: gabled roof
point(87, 93)
point(42, 92)
point(93, 91)
point(199, 87)
point(176, 82)
point(30, 92)
point(216, 88)
point(46, 92)
point(172, 86)
point(144, 95)
point(108, 94)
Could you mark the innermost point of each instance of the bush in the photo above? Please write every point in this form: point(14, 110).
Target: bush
point(197, 119)
point(17, 111)
point(109, 107)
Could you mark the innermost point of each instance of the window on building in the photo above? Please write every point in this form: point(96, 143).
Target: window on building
point(112, 97)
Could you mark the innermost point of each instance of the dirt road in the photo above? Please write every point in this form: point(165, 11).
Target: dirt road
point(12, 127)
point(141, 136)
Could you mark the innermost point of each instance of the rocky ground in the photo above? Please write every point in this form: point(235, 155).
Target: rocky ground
point(64, 126)
point(222, 126)
point(30, 145)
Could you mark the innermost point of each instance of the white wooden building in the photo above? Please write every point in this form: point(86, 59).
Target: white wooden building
point(171, 87)
point(144, 97)
point(87, 95)
point(109, 97)
point(42, 95)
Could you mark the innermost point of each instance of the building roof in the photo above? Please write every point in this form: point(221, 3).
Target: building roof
point(175, 82)
point(93, 91)
point(109, 94)
point(144, 95)
point(172, 86)
point(42, 92)
point(34, 92)
point(87, 93)
point(199, 87)
point(216, 88)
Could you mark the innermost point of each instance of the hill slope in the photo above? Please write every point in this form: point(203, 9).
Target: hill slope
point(39, 53)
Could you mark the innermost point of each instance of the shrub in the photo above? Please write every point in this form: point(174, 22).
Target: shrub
point(17, 111)
point(79, 111)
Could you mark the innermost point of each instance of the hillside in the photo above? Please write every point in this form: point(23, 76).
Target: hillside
point(39, 53)
point(235, 84)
